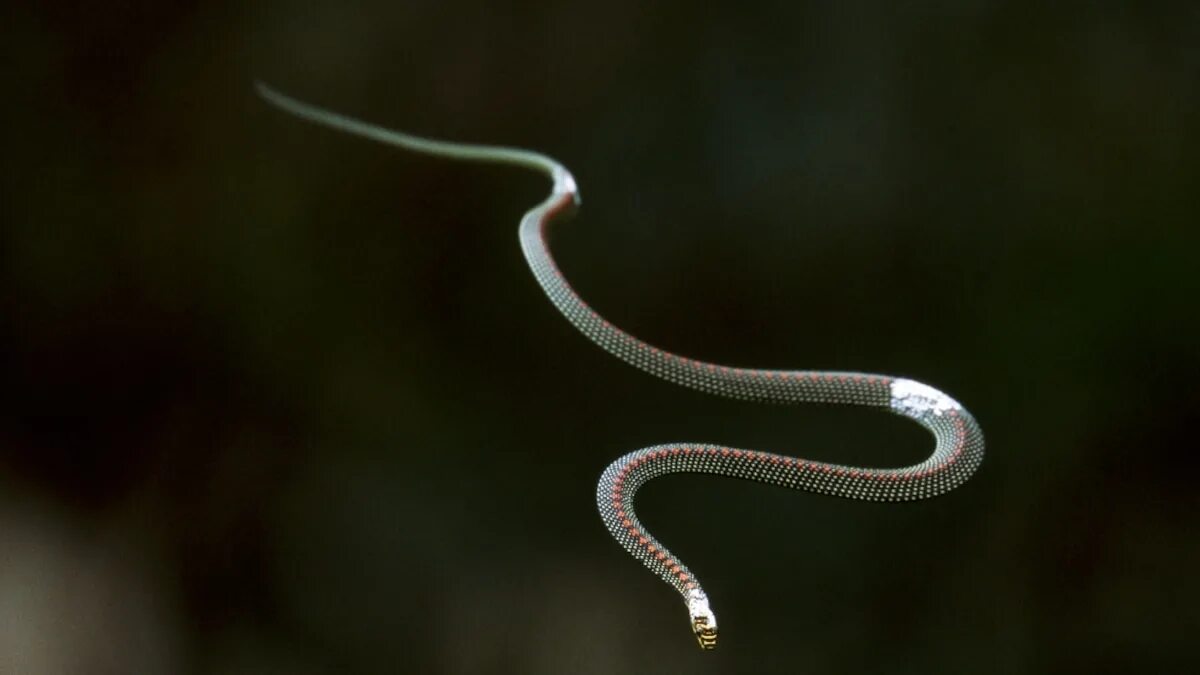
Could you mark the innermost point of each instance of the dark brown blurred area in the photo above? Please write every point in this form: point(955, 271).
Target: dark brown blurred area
point(277, 400)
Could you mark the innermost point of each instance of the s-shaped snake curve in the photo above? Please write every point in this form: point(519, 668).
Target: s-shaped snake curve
point(958, 441)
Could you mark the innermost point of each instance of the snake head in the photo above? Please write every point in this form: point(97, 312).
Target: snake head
point(704, 622)
point(706, 635)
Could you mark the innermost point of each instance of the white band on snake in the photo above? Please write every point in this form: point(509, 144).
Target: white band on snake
point(958, 441)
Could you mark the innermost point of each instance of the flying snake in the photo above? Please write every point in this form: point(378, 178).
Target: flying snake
point(958, 440)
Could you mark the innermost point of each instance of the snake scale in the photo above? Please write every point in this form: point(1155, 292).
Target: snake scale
point(958, 440)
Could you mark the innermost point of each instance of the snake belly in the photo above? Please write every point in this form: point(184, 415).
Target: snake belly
point(958, 440)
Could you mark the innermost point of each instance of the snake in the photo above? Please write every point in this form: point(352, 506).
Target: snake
point(958, 440)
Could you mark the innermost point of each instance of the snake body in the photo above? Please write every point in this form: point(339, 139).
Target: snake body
point(958, 440)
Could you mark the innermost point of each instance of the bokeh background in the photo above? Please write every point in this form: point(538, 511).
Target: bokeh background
point(277, 400)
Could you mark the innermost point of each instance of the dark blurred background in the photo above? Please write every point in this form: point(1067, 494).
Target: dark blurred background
point(277, 400)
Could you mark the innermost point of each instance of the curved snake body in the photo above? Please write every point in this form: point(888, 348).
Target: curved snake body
point(958, 441)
